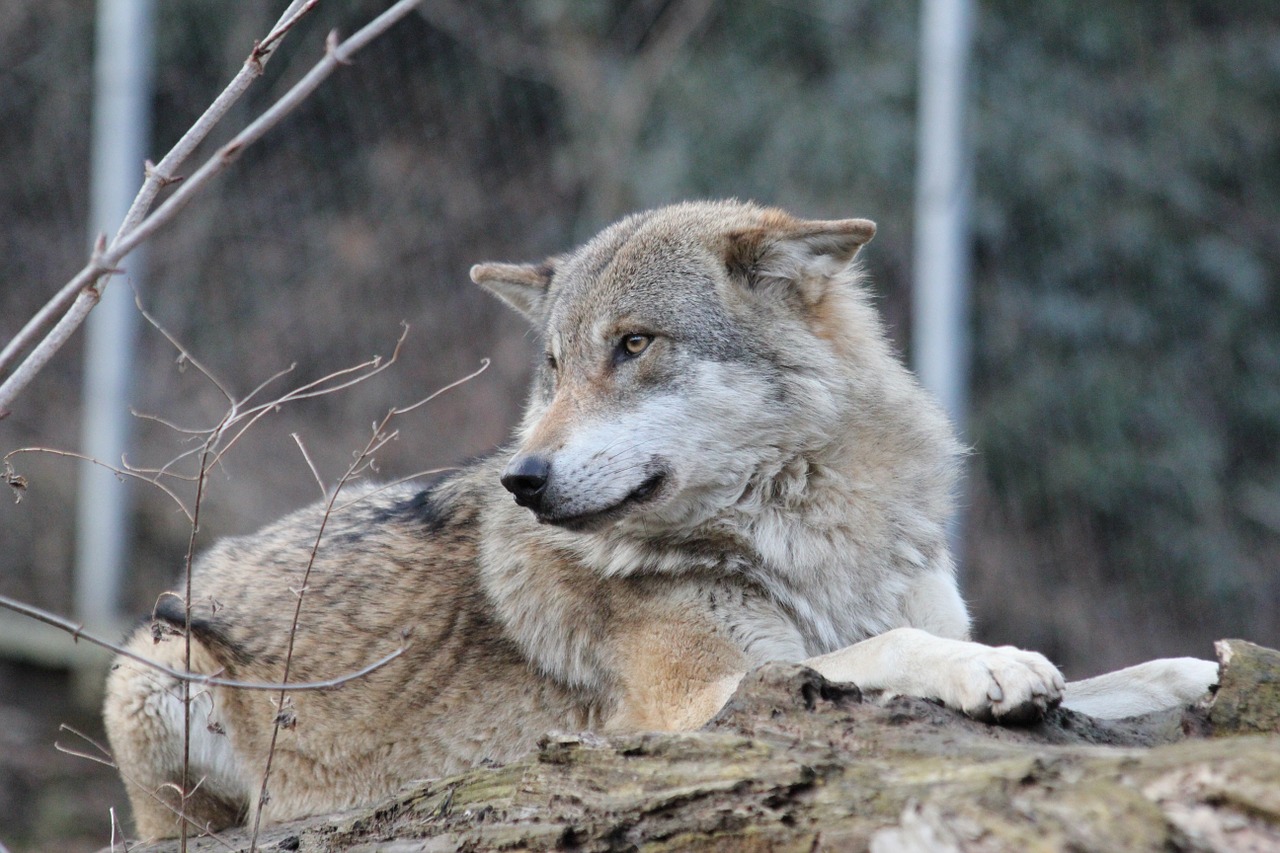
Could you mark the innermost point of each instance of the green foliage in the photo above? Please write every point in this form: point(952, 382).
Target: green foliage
point(1129, 324)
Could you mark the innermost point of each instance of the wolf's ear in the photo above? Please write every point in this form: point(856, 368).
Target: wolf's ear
point(522, 286)
point(797, 250)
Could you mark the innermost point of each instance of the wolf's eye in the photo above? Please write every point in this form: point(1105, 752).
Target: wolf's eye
point(635, 344)
point(551, 361)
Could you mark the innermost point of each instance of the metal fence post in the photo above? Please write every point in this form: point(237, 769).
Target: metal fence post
point(121, 131)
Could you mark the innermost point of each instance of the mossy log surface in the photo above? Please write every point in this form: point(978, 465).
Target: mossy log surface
point(795, 763)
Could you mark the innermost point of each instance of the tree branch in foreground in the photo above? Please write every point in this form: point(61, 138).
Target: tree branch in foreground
point(157, 177)
point(105, 758)
point(77, 632)
point(84, 290)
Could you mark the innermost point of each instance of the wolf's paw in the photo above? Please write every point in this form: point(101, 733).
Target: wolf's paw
point(995, 684)
point(1001, 684)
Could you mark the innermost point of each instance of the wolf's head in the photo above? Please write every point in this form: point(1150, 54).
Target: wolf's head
point(691, 354)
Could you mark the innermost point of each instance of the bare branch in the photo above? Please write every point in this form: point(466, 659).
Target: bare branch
point(165, 469)
point(379, 438)
point(184, 789)
point(120, 472)
point(78, 633)
point(390, 484)
point(204, 829)
point(484, 365)
point(165, 422)
point(156, 178)
point(314, 473)
point(279, 374)
point(315, 388)
point(216, 442)
point(117, 828)
point(82, 292)
point(183, 353)
point(262, 50)
point(103, 758)
point(297, 615)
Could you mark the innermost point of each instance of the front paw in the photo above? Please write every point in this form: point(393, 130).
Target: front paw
point(1002, 684)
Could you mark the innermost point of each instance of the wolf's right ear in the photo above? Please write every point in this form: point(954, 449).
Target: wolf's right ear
point(522, 286)
point(796, 250)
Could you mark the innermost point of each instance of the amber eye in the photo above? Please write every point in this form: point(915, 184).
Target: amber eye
point(636, 344)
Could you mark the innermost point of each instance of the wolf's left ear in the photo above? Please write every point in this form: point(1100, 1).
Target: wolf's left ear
point(522, 286)
point(797, 250)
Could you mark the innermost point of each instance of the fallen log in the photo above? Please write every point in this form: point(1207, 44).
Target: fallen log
point(794, 762)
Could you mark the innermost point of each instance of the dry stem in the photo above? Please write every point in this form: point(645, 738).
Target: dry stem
point(77, 632)
point(105, 758)
point(84, 290)
point(377, 440)
point(239, 416)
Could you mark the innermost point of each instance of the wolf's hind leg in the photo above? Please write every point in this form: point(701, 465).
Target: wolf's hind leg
point(145, 724)
point(1141, 689)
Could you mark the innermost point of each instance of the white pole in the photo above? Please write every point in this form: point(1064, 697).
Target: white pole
point(940, 335)
point(121, 130)
point(944, 183)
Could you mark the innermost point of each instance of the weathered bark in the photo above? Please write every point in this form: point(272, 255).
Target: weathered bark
point(797, 763)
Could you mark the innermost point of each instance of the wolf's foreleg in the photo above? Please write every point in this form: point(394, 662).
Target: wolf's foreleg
point(1001, 684)
point(1141, 689)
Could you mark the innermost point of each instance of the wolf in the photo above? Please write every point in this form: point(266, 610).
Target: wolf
point(722, 463)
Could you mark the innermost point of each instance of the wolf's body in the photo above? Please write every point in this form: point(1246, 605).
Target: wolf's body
point(722, 463)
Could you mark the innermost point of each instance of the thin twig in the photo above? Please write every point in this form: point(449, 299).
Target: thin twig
point(204, 829)
point(484, 365)
point(391, 484)
point(119, 472)
point(288, 657)
point(164, 422)
point(184, 355)
point(237, 415)
point(156, 178)
point(66, 750)
point(185, 791)
point(311, 465)
point(378, 439)
point(240, 409)
point(77, 631)
point(293, 629)
point(117, 828)
point(315, 388)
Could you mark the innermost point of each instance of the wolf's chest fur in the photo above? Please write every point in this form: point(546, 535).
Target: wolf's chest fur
point(780, 572)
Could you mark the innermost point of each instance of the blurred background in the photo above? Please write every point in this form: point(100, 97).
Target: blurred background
point(1123, 497)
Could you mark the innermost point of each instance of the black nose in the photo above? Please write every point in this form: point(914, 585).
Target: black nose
point(526, 478)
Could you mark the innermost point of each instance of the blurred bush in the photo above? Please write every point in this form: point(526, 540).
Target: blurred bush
point(1128, 377)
